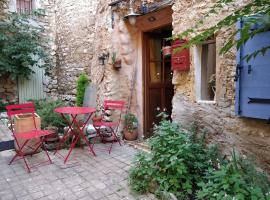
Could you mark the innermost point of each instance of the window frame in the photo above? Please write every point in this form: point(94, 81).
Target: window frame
point(198, 55)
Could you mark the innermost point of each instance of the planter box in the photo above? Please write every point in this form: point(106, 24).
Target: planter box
point(24, 123)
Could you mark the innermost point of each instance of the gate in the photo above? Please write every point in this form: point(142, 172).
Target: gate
point(32, 88)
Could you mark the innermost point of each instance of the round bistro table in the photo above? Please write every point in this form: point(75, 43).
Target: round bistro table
point(74, 124)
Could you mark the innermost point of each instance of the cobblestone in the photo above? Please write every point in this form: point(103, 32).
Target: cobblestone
point(84, 177)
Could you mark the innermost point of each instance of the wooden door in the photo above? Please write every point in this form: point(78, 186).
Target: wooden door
point(158, 81)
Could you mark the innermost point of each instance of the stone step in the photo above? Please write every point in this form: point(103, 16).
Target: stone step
point(140, 145)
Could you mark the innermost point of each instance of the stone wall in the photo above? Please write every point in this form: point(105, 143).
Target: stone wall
point(74, 30)
point(82, 37)
point(49, 23)
point(8, 90)
point(250, 136)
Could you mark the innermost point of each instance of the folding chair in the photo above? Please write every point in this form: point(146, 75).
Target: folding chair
point(113, 126)
point(27, 108)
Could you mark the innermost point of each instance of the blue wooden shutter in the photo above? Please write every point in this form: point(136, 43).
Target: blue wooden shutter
point(253, 79)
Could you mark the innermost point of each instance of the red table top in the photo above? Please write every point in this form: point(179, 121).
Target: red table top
point(74, 110)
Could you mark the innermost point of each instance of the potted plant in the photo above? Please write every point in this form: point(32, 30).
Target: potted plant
point(212, 83)
point(130, 127)
point(116, 62)
point(50, 120)
point(96, 118)
point(166, 51)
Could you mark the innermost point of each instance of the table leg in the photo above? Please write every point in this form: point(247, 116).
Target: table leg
point(67, 135)
point(82, 134)
point(71, 148)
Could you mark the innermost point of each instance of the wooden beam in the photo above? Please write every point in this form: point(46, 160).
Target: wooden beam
point(154, 20)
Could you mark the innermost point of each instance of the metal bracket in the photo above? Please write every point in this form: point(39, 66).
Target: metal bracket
point(249, 69)
point(259, 100)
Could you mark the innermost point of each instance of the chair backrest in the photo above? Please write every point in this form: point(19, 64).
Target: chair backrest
point(114, 104)
point(21, 109)
point(109, 104)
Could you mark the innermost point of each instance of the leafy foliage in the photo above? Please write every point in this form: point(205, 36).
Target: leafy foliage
point(258, 12)
point(235, 180)
point(21, 45)
point(176, 163)
point(45, 109)
point(82, 83)
point(2, 105)
point(180, 164)
point(131, 122)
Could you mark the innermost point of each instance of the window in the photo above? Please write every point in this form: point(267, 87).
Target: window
point(24, 6)
point(205, 71)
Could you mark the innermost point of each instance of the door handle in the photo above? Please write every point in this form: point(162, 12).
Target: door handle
point(164, 109)
point(158, 108)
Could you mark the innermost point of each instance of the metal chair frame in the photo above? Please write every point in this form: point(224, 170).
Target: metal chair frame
point(113, 126)
point(27, 108)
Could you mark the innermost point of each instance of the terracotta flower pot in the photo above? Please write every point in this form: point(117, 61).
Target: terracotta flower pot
point(51, 141)
point(130, 135)
point(54, 131)
point(97, 119)
point(117, 64)
point(166, 51)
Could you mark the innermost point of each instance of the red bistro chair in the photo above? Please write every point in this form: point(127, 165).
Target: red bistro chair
point(113, 126)
point(27, 136)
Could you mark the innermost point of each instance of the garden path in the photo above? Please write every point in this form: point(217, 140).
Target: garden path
point(84, 177)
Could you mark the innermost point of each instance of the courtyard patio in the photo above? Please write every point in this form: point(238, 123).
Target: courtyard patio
point(82, 177)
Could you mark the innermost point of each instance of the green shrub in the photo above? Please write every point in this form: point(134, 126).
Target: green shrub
point(180, 164)
point(131, 122)
point(45, 109)
point(176, 163)
point(237, 179)
point(2, 106)
point(142, 175)
point(82, 83)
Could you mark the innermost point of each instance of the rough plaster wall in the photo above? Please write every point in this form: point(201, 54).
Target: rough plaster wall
point(250, 136)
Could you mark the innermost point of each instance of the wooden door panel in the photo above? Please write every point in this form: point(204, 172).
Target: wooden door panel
point(158, 82)
point(154, 106)
point(169, 92)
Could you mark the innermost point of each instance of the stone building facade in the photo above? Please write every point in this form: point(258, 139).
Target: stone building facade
point(219, 118)
point(82, 31)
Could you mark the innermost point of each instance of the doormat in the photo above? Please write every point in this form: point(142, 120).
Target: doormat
point(6, 145)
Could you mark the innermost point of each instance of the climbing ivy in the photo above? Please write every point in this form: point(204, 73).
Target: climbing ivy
point(22, 44)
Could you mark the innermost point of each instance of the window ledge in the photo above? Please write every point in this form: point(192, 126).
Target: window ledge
point(206, 102)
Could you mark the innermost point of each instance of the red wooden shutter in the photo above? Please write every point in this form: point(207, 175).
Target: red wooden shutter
point(180, 59)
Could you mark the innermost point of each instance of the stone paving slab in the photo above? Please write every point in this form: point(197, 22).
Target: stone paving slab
point(84, 177)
